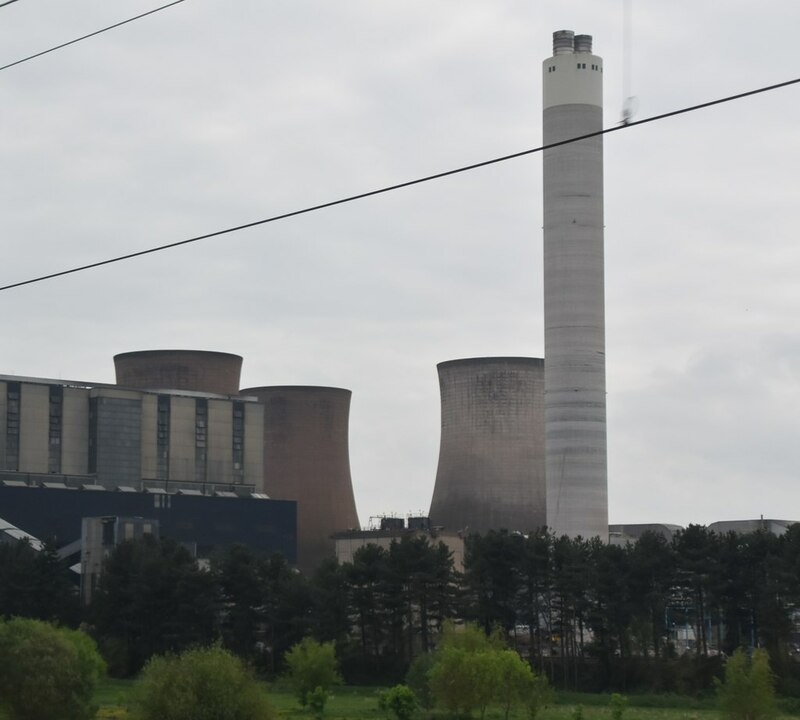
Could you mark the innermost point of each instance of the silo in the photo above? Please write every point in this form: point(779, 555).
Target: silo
point(196, 370)
point(574, 304)
point(491, 471)
point(307, 459)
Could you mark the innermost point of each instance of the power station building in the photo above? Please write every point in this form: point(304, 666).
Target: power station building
point(574, 296)
point(491, 472)
point(176, 425)
point(80, 433)
point(523, 440)
point(202, 522)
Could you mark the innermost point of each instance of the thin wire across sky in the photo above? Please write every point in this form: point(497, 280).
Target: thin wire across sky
point(84, 37)
point(396, 186)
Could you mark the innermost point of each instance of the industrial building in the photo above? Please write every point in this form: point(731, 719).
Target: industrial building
point(394, 530)
point(624, 534)
point(99, 537)
point(574, 296)
point(491, 472)
point(201, 521)
point(89, 433)
point(523, 440)
point(770, 525)
point(177, 424)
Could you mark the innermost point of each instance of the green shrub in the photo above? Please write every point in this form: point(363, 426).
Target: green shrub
point(47, 672)
point(617, 703)
point(462, 680)
point(539, 695)
point(311, 665)
point(317, 700)
point(748, 691)
point(400, 701)
point(418, 679)
point(204, 684)
point(512, 679)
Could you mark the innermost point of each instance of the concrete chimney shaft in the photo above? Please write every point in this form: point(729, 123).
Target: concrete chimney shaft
point(574, 304)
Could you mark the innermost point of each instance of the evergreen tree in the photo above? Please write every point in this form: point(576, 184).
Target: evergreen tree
point(152, 599)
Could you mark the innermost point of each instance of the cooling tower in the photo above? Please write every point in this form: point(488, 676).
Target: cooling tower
point(306, 458)
point(491, 459)
point(574, 314)
point(197, 370)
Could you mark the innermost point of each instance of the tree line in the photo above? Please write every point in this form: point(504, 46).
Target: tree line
point(586, 614)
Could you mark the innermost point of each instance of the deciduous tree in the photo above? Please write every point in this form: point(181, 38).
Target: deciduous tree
point(200, 684)
point(312, 665)
point(47, 672)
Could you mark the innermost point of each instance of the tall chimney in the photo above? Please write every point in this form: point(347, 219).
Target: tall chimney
point(574, 315)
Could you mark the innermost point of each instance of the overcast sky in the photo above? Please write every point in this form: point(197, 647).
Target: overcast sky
point(212, 114)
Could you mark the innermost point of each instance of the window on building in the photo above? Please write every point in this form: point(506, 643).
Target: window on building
point(162, 437)
point(238, 441)
point(13, 394)
point(55, 428)
point(200, 439)
point(92, 435)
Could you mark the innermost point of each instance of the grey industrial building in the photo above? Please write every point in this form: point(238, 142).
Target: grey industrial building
point(394, 530)
point(99, 537)
point(203, 522)
point(110, 436)
point(176, 425)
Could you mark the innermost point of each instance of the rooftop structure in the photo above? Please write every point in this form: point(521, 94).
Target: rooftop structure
point(202, 371)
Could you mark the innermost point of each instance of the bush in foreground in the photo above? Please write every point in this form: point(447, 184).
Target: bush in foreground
point(312, 665)
point(400, 701)
point(204, 684)
point(748, 691)
point(472, 671)
point(47, 672)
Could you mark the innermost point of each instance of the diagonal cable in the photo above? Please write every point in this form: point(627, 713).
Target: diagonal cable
point(96, 32)
point(399, 186)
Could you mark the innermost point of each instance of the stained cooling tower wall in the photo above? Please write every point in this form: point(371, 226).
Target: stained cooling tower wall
point(196, 370)
point(491, 471)
point(307, 459)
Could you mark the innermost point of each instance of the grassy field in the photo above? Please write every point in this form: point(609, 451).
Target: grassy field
point(359, 703)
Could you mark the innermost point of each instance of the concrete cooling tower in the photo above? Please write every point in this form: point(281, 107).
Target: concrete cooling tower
point(491, 471)
point(306, 458)
point(195, 370)
point(574, 314)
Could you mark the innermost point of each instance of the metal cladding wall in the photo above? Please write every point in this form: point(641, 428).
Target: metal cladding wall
point(574, 305)
point(307, 459)
point(195, 370)
point(491, 459)
point(264, 526)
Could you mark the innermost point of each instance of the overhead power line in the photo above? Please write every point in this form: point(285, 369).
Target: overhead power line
point(84, 37)
point(398, 186)
point(8, 2)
